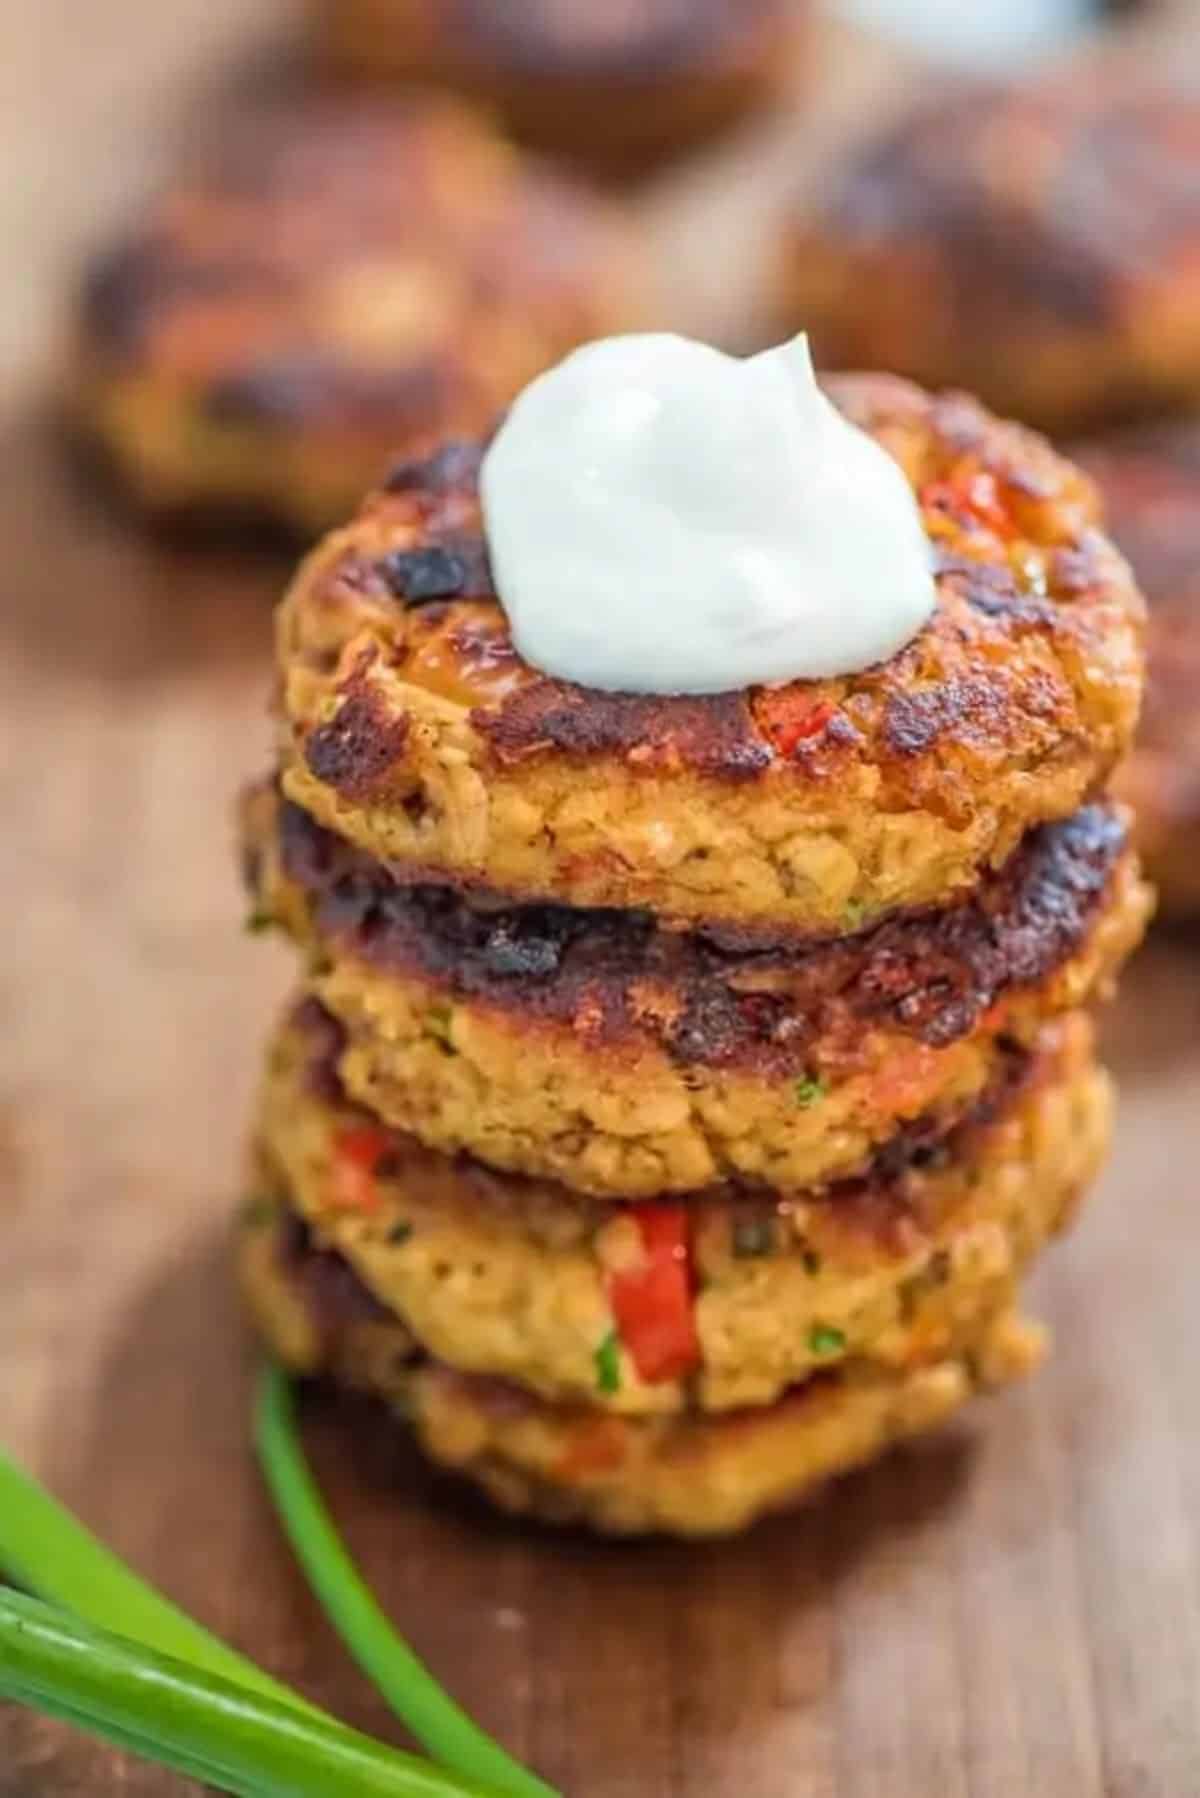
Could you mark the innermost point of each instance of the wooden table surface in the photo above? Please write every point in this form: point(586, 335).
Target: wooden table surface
point(1011, 1609)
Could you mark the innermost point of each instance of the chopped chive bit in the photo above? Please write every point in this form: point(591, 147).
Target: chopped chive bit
point(256, 1211)
point(608, 1363)
point(810, 1090)
point(753, 1236)
point(853, 913)
point(257, 921)
point(438, 1020)
point(823, 1339)
point(400, 1231)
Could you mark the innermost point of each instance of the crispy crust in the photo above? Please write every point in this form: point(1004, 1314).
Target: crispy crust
point(497, 1275)
point(410, 725)
point(681, 1475)
point(691, 1064)
point(1150, 480)
point(1058, 219)
point(616, 88)
point(334, 285)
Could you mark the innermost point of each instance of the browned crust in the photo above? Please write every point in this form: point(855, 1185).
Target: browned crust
point(1059, 218)
point(719, 999)
point(878, 1205)
point(990, 678)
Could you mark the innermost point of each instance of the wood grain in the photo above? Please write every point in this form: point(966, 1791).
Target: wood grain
point(1011, 1609)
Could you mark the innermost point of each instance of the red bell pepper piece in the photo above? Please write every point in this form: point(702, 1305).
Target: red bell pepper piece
point(652, 1300)
point(356, 1157)
point(792, 720)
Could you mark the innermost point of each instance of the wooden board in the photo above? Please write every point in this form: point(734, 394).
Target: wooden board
point(1013, 1608)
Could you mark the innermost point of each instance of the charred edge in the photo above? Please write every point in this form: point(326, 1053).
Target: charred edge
point(929, 1144)
point(931, 975)
point(717, 736)
point(356, 749)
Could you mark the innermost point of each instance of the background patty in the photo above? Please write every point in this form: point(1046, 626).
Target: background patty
point(685, 1475)
point(615, 85)
point(1059, 218)
point(410, 725)
point(696, 1064)
point(329, 286)
point(498, 1275)
point(1150, 480)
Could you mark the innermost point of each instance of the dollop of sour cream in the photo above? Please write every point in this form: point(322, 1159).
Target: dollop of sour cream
point(664, 518)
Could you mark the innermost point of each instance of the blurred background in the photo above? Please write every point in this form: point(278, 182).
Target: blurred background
point(234, 303)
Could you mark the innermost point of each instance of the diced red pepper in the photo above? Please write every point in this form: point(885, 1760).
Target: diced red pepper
point(792, 720)
point(595, 1447)
point(971, 498)
point(356, 1157)
point(652, 1301)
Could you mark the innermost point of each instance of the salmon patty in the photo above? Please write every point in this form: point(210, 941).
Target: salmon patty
point(628, 1061)
point(410, 725)
point(722, 1299)
point(1150, 480)
point(614, 86)
point(685, 1474)
point(1036, 243)
point(329, 287)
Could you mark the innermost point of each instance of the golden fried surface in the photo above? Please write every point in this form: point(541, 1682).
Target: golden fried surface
point(332, 286)
point(683, 1474)
point(410, 725)
point(493, 1274)
point(614, 85)
point(1037, 244)
point(1150, 481)
point(629, 1062)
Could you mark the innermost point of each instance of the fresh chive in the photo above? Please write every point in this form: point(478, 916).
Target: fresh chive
point(809, 1089)
point(753, 1236)
point(853, 913)
point(257, 1211)
point(257, 921)
point(608, 1363)
point(824, 1339)
point(44, 1549)
point(209, 1728)
point(400, 1232)
point(406, 1684)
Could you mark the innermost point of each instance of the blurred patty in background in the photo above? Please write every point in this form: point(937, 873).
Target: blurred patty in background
point(1038, 243)
point(331, 286)
point(617, 83)
point(1150, 479)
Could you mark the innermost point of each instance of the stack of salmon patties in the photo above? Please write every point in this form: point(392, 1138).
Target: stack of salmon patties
point(678, 1088)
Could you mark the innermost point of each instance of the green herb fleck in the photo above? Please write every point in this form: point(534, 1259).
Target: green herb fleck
point(608, 1363)
point(257, 921)
point(811, 1260)
point(810, 1090)
point(823, 1339)
point(438, 1020)
point(927, 1279)
point(400, 1231)
point(854, 913)
point(257, 1211)
point(753, 1236)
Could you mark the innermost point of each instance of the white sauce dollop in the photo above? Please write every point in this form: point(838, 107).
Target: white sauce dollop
point(663, 518)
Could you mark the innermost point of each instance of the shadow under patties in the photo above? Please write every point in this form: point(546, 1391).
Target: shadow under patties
point(532, 1630)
